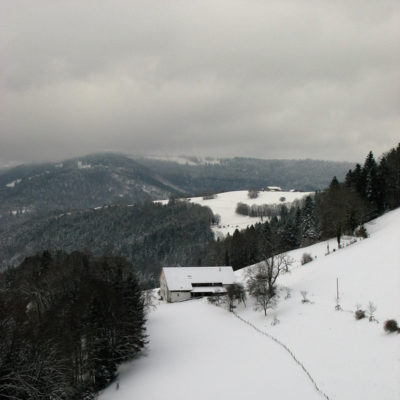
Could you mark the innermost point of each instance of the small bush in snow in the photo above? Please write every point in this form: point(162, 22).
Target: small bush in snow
point(391, 326)
point(252, 193)
point(361, 232)
point(217, 300)
point(359, 314)
point(275, 321)
point(306, 258)
point(304, 294)
point(371, 311)
point(212, 300)
point(288, 292)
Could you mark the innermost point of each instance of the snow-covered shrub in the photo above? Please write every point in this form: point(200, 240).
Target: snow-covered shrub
point(391, 326)
point(288, 292)
point(275, 321)
point(252, 193)
point(359, 314)
point(306, 258)
point(304, 294)
point(371, 311)
point(361, 232)
point(217, 300)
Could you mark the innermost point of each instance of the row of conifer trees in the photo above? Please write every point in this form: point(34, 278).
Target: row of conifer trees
point(66, 322)
point(368, 191)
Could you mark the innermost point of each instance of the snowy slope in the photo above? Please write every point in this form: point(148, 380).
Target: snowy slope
point(350, 359)
point(200, 351)
point(225, 204)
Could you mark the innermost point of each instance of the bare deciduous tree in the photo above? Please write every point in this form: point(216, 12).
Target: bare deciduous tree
point(261, 280)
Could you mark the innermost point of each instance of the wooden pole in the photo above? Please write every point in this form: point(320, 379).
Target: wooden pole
point(337, 290)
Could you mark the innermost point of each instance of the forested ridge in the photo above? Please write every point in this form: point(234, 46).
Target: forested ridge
point(244, 173)
point(81, 183)
point(108, 178)
point(149, 235)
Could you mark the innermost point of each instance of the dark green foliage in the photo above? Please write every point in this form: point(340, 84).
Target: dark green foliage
point(391, 326)
point(67, 321)
point(242, 209)
point(262, 210)
point(306, 258)
point(377, 183)
point(309, 229)
point(359, 314)
point(149, 235)
point(361, 232)
point(252, 193)
point(235, 293)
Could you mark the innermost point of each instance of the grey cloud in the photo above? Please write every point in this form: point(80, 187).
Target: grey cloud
point(300, 78)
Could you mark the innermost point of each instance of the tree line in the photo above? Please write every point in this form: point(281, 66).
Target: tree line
point(368, 191)
point(66, 322)
point(149, 235)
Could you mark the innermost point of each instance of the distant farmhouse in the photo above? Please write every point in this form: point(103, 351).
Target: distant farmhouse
point(273, 189)
point(184, 283)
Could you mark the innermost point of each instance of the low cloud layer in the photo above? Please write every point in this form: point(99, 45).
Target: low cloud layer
point(272, 79)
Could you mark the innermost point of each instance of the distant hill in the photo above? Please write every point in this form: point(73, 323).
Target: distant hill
point(198, 176)
point(79, 183)
point(109, 178)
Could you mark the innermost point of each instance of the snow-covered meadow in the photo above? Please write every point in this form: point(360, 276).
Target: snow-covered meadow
point(224, 204)
point(198, 350)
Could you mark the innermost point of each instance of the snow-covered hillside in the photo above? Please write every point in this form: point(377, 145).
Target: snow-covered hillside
point(198, 350)
point(224, 204)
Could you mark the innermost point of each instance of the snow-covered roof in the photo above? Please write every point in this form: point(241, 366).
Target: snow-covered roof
point(208, 289)
point(181, 278)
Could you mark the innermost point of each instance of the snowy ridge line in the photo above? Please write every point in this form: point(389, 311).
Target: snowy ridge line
point(317, 388)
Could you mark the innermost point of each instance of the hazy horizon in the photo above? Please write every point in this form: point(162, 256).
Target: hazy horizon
point(180, 158)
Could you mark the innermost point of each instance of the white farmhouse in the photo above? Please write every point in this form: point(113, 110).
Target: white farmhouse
point(273, 189)
point(184, 283)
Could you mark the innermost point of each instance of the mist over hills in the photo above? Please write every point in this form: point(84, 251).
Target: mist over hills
point(197, 175)
point(108, 178)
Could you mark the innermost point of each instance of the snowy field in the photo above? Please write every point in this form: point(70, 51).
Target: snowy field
point(198, 350)
point(225, 205)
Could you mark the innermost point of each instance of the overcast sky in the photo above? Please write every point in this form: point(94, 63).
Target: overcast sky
point(272, 79)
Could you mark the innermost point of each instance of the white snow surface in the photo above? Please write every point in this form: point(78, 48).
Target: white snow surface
point(199, 351)
point(182, 160)
point(13, 183)
point(225, 204)
point(181, 278)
